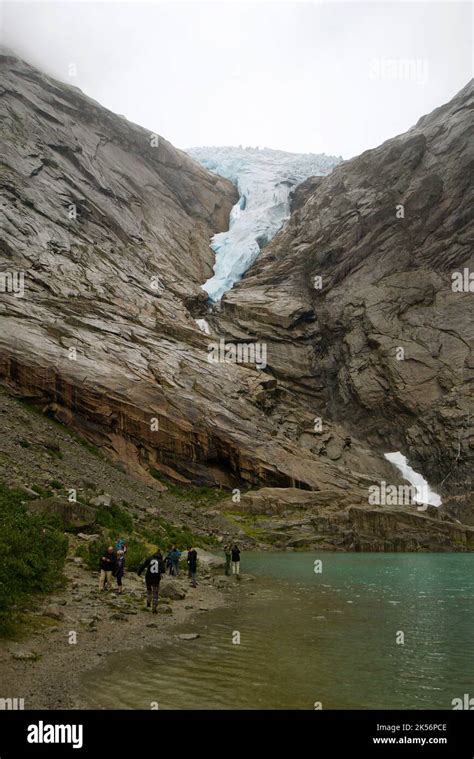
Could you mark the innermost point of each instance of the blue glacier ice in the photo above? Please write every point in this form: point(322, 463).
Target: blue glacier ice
point(264, 179)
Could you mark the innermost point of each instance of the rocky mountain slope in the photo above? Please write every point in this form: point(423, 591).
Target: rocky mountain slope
point(356, 300)
point(110, 225)
point(45, 460)
point(103, 337)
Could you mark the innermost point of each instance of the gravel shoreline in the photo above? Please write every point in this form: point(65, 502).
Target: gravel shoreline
point(45, 668)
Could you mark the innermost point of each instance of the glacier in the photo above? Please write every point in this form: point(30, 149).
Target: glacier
point(264, 178)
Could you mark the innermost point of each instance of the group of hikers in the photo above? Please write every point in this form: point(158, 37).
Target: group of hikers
point(112, 564)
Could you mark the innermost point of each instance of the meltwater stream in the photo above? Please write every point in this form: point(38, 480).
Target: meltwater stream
point(305, 637)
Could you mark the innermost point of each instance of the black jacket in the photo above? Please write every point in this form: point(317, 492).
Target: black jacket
point(108, 561)
point(192, 560)
point(119, 570)
point(154, 566)
point(235, 554)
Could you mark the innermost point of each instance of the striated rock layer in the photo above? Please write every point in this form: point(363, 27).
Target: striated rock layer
point(112, 235)
point(357, 300)
point(109, 225)
point(289, 519)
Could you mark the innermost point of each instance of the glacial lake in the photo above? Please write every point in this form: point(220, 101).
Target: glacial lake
point(307, 637)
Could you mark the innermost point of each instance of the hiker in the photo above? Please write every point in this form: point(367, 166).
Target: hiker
point(192, 565)
point(107, 566)
point(228, 556)
point(168, 561)
point(119, 569)
point(235, 560)
point(155, 567)
point(174, 555)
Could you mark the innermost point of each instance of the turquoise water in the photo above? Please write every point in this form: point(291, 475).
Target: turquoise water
point(305, 638)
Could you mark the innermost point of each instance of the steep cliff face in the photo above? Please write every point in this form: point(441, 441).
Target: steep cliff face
point(104, 246)
point(357, 302)
point(110, 228)
point(86, 190)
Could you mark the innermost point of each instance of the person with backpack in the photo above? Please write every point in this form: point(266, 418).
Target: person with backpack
point(168, 565)
point(107, 567)
point(236, 561)
point(228, 557)
point(155, 567)
point(119, 570)
point(174, 556)
point(192, 565)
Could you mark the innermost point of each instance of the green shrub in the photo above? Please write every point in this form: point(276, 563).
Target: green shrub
point(137, 551)
point(162, 533)
point(55, 454)
point(115, 519)
point(85, 444)
point(43, 492)
point(90, 552)
point(32, 550)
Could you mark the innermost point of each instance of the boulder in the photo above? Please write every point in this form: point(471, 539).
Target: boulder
point(171, 590)
point(54, 612)
point(25, 655)
point(209, 560)
point(101, 500)
point(74, 516)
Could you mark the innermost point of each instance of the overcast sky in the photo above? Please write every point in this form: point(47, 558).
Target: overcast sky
point(337, 77)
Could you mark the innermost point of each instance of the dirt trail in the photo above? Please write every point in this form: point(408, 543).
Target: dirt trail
point(102, 623)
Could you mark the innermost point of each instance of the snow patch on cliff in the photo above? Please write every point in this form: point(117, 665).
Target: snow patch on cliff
point(424, 494)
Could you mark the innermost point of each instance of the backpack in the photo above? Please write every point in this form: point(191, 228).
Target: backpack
point(156, 563)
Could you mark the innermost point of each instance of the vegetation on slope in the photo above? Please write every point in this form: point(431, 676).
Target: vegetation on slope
point(33, 549)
